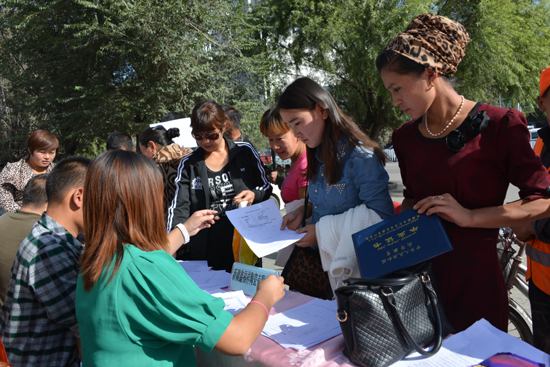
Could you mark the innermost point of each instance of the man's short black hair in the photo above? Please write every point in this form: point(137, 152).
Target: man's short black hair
point(120, 140)
point(35, 191)
point(68, 174)
point(172, 116)
point(234, 115)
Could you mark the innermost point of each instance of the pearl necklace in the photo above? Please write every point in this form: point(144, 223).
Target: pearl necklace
point(449, 124)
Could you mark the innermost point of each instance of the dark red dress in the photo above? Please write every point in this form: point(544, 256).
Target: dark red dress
point(469, 277)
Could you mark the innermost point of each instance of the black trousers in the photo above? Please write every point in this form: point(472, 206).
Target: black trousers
point(540, 312)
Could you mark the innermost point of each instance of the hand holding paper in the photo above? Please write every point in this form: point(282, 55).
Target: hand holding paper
point(310, 238)
point(293, 220)
point(260, 224)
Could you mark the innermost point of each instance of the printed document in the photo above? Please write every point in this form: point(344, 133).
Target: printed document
point(471, 346)
point(260, 225)
point(304, 326)
point(235, 302)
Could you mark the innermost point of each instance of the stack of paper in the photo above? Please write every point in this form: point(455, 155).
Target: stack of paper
point(211, 279)
point(204, 277)
point(304, 326)
point(195, 266)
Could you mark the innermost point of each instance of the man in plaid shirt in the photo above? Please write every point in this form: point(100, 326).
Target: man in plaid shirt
point(38, 319)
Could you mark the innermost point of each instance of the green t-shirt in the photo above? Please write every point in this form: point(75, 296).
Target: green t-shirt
point(150, 314)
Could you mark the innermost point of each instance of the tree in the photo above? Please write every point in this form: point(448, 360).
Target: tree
point(340, 40)
point(85, 68)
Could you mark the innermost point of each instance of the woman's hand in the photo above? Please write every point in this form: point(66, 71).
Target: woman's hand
point(293, 220)
point(246, 326)
point(447, 208)
point(270, 290)
point(310, 239)
point(199, 220)
point(245, 195)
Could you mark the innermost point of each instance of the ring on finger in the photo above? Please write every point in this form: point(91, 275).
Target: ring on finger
point(439, 197)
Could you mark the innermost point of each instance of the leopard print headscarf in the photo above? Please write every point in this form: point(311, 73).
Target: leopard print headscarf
point(433, 41)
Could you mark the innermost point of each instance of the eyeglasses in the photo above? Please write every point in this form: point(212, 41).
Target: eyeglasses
point(212, 136)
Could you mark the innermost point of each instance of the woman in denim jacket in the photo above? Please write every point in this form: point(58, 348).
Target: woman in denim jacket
point(345, 167)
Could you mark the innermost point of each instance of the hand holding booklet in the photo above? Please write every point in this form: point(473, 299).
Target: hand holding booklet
point(401, 241)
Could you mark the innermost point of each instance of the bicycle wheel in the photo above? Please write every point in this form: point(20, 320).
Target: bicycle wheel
point(519, 323)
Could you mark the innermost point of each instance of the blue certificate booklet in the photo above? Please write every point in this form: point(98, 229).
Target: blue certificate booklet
point(401, 241)
point(246, 277)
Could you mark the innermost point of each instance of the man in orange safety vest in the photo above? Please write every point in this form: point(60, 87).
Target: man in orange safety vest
point(538, 247)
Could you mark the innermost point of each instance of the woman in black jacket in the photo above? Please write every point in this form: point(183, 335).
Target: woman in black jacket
point(218, 175)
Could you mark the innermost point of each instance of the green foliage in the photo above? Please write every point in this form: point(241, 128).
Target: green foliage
point(85, 68)
point(250, 123)
point(338, 42)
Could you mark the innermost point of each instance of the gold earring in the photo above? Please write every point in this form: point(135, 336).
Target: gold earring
point(432, 84)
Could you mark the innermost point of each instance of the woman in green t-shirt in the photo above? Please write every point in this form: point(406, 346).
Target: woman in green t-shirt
point(134, 303)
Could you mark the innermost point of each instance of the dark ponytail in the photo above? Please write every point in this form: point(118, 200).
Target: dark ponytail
point(159, 135)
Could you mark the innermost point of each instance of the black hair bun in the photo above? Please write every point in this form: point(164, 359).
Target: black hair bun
point(173, 133)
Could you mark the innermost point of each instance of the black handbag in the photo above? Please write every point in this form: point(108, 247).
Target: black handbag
point(383, 320)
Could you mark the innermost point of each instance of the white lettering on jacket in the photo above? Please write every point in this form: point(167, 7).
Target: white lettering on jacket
point(196, 184)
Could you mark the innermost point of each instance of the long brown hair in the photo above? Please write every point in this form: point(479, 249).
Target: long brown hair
point(122, 205)
point(305, 94)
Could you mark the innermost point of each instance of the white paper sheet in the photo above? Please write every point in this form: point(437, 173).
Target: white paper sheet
point(305, 325)
point(212, 291)
point(480, 341)
point(260, 224)
point(235, 302)
point(211, 279)
point(195, 266)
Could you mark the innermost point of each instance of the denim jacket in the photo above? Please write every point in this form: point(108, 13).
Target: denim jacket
point(363, 180)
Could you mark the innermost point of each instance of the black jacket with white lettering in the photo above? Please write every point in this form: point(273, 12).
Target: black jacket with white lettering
point(246, 170)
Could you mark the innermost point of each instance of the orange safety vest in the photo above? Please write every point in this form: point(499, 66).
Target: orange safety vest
point(538, 252)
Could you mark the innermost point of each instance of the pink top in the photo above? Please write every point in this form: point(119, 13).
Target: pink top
point(295, 179)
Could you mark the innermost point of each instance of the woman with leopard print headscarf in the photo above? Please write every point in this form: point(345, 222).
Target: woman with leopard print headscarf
point(457, 158)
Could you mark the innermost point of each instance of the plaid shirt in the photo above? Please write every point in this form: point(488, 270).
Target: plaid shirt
point(38, 319)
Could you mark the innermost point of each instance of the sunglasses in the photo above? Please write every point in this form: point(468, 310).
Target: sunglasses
point(212, 136)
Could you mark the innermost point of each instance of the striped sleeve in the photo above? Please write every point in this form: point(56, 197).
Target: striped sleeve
point(179, 210)
point(263, 187)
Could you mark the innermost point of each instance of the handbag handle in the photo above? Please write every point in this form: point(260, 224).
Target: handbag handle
point(306, 199)
point(389, 299)
point(381, 282)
